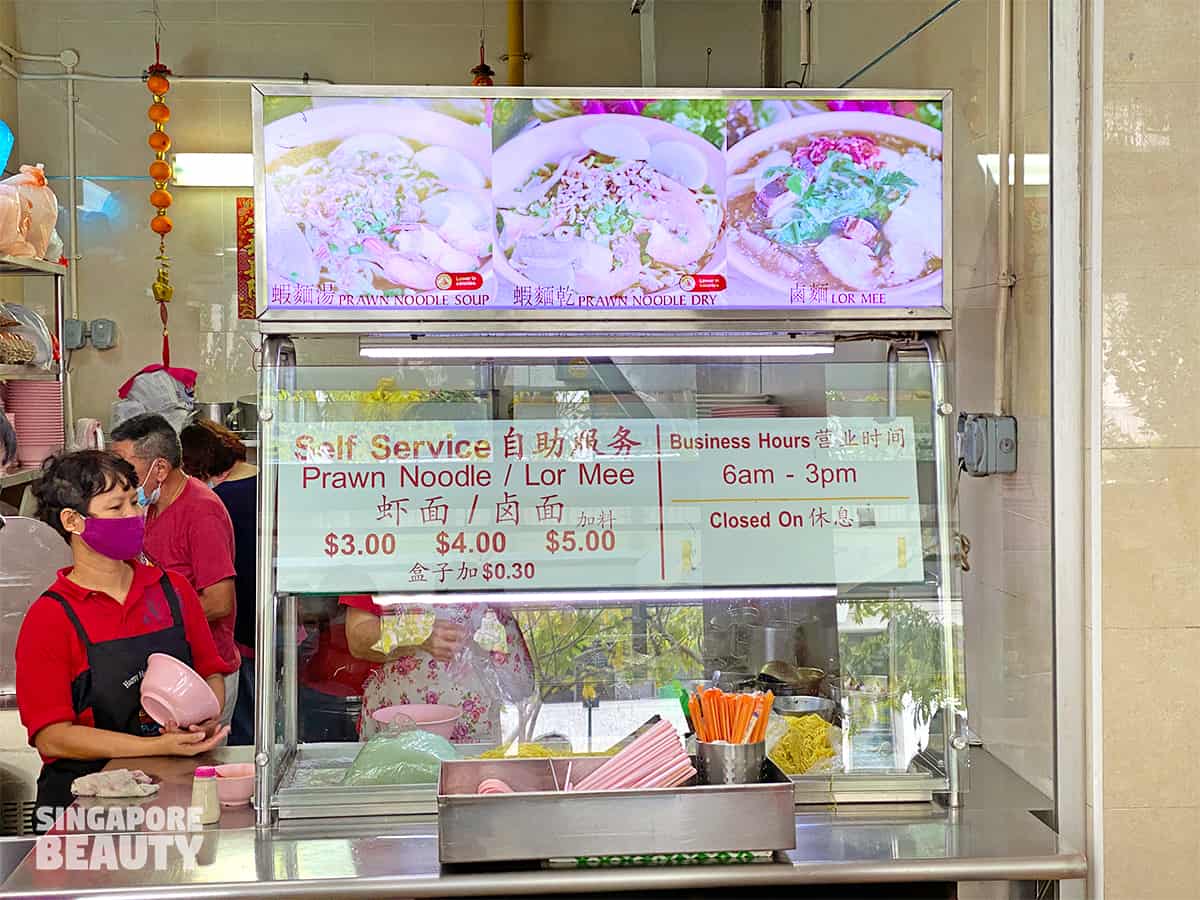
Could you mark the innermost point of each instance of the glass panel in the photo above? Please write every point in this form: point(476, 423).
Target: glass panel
point(555, 547)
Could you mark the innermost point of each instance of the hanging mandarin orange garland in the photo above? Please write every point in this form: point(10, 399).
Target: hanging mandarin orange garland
point(160, 198)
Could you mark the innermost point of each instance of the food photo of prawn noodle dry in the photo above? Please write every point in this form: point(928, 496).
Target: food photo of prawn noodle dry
point(837, 208)
point(375, 201)
point(607, 208)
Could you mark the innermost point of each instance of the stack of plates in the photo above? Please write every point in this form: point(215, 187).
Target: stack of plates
point(737, 406)
point(36, 411)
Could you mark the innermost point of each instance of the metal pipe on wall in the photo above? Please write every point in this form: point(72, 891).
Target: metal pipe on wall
point(1005, 279)
point(516, 42)
point(72, 242)
point(140, 79)
point(34, 57)
point(772, 31)
point(644, 10)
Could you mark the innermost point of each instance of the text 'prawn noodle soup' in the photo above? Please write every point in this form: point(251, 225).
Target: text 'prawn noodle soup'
point(872, 220)
point(564, 220)
point(370, 197)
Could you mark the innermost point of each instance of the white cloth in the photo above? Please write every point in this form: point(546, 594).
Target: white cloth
point(114, 783)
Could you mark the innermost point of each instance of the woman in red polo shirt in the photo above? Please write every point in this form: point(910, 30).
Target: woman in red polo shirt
point(84, 643)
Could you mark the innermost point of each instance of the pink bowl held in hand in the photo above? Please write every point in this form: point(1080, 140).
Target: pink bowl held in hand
point(235, 784)
point(437, 718)
point(174, 692)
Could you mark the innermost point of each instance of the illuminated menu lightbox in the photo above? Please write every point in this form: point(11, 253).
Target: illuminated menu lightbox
point(542, 203)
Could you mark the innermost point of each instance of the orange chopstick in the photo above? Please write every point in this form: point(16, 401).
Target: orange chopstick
point(747, 704)
point(734, 718)
point(761, 731)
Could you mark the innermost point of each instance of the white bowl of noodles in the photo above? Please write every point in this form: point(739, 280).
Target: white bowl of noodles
point(367, 197)
point(871, 222)
point(607, 205)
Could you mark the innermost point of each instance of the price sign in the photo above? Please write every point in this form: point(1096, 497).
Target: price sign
point(454, 506)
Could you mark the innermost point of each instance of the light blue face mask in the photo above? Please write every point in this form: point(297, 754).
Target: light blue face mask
point(147, 500)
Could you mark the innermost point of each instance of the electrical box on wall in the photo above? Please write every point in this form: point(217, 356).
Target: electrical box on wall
point(987, 444)
point(73, 334)
point(104, 334)
point(101, 332)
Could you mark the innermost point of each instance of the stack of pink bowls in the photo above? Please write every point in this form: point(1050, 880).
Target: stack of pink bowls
point(36, 411)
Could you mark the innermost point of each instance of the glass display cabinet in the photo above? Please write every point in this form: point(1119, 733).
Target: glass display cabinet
point(607, 522)
point(575, 399)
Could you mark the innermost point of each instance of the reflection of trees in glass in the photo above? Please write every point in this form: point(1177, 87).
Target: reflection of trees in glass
point(575, 648)
point(907, 651)
point(1149, 372)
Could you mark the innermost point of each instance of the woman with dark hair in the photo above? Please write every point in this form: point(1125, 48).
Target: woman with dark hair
point(217, 456)
point(84, 643)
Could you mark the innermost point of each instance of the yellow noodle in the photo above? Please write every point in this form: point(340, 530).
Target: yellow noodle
point(805, 744)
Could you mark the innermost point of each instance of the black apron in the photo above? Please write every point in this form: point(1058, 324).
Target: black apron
point(111, 686)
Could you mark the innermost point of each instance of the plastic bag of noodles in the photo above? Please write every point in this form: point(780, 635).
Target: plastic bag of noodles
point(400, 754)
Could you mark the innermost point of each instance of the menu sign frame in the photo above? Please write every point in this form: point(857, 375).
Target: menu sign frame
point(444, 508)
point(754, 295)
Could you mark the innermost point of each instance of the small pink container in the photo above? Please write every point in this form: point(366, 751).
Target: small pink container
point(172, 691)
point(437, 718)
point(235, 783)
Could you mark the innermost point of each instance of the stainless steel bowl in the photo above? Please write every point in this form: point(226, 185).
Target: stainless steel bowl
point(216, 412)
point(805, 706)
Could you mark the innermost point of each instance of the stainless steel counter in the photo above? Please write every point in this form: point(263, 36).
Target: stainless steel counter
point(851, 845)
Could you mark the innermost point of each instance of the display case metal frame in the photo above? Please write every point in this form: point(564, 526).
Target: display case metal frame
point(278, 750)
point(507, 320)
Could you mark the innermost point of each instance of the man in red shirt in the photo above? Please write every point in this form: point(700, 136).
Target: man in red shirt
point(84, 644)
point(188, 530)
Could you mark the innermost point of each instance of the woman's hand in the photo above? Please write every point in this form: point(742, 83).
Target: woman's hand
point(188, 743)
point(208, 729)
point(444, 641)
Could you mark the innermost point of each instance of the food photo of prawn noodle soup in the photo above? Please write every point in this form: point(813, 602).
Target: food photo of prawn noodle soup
point(600, 207)
point(837, 208)
point(370, 202)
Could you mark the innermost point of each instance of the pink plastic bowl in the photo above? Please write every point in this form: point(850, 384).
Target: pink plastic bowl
point(235, 784)
point(173, 692)
point(437, 718)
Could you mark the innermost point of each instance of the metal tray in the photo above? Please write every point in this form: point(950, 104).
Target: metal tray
point(537, 822)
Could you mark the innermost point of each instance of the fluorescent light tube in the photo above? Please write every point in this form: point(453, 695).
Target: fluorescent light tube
point(369, 349)
point(213, 169)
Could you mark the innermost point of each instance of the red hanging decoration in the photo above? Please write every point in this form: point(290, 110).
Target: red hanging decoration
point(483, 72)
point(160, 198)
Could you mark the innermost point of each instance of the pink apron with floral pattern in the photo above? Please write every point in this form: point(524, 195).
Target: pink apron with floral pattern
point(417, 677)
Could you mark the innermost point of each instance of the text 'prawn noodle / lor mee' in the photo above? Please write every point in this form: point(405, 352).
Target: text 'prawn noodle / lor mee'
point(620, 216)
point(384, 213)
point(847, 210)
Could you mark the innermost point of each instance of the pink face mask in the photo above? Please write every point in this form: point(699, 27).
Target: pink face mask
point(119, 539)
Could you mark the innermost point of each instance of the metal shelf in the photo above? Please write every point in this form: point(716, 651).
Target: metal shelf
point(18, 265)
point(26, 373)
point(19, 476)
